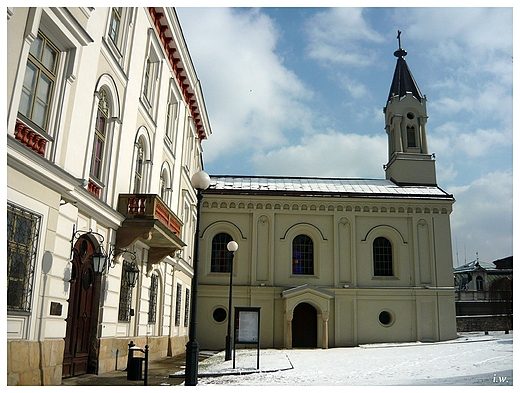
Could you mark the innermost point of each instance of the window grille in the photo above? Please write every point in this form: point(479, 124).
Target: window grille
point(152, 303)
point(178, 305)
point(125, 294)
point(22, 239)
point(302, 255)
point(382, 254)
point(187, 308)
point(220, 256)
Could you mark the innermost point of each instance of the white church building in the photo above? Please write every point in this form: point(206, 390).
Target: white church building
point(335, 261)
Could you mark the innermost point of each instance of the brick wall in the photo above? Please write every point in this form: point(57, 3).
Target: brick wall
point(484, 323)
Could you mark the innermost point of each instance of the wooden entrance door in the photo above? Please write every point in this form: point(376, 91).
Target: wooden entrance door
point(79, 317)
point(304, 326)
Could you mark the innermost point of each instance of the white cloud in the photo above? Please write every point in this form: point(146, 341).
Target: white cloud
point(482, 220)
point(332, 154)
point(480, 29)
point(254, 99)
point(337, 35)
point(473, 144)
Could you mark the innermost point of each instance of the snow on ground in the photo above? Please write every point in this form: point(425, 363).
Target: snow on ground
point(471, 359)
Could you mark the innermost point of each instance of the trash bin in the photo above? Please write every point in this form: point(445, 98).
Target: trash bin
point(134, 370)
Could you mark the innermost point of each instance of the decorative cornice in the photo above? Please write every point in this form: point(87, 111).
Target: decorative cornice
point(166, 38)
point(443, 207)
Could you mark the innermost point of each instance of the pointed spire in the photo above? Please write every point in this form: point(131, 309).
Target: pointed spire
point(403, 80)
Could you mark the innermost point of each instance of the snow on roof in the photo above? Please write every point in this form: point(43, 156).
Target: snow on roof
point(474, 265)
point(315, 186)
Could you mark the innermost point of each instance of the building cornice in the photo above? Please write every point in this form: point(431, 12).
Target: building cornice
point(41, 170)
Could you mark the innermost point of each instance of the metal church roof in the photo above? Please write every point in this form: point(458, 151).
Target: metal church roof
point(316, 186)
point(403, 80)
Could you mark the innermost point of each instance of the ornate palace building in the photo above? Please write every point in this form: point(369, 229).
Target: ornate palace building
point(105, 118)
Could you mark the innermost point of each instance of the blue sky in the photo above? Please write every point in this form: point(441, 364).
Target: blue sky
point(300, 92)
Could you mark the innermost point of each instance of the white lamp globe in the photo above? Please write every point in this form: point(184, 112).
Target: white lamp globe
point(232, 246)
point(200, 180)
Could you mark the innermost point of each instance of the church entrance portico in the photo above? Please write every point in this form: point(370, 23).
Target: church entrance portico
point(306, 317)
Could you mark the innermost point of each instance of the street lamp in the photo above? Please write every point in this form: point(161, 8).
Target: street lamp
point(232, 246)
point(200, 181)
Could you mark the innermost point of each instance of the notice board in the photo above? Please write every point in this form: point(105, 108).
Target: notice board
point(247, 329)
point(247, 325)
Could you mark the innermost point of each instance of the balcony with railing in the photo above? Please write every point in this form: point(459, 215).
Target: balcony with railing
point(31, 138)
point(150, 220)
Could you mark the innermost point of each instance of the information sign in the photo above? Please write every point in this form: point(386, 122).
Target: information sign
point(247, 329)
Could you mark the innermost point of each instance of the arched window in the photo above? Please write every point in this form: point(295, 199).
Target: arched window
point(302, 255)
point(382, 255)
point(480, 283)
point(138, 171)
point(411, 137)
point(163, 185)
point(100, 134)
point(165, 182)
point(220, 256)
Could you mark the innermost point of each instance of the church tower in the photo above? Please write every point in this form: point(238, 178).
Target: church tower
point(405, 122)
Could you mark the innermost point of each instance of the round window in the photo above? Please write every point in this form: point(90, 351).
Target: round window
point(410, 115)
point(385, 318)
point(219, 315)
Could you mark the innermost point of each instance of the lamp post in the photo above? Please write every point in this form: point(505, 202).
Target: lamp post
point(200, 181)
point(232, 246)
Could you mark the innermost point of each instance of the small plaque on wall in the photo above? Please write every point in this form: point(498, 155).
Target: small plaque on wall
point(56, 308)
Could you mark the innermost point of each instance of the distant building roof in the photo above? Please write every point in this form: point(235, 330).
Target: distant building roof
point(504, 263)
point(474, 265)
point(315, 186)
point(499, 264)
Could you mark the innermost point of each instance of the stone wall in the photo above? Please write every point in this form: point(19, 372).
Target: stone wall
point(484, 323)
point(177, 345)
point(113, 352)
point(34, 363)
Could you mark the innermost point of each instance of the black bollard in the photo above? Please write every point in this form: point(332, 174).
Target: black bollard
point(146, 365)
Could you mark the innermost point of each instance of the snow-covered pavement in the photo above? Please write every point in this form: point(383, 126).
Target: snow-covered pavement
point(471, 359)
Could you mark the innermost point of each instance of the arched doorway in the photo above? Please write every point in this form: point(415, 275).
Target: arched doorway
point(304, 326)
point(84, 285)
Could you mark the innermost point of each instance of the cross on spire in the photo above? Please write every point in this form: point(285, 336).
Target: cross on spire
point(399, 52)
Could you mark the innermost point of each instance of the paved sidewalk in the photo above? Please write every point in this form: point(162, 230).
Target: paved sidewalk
point(170, 370)
point(158, 374)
